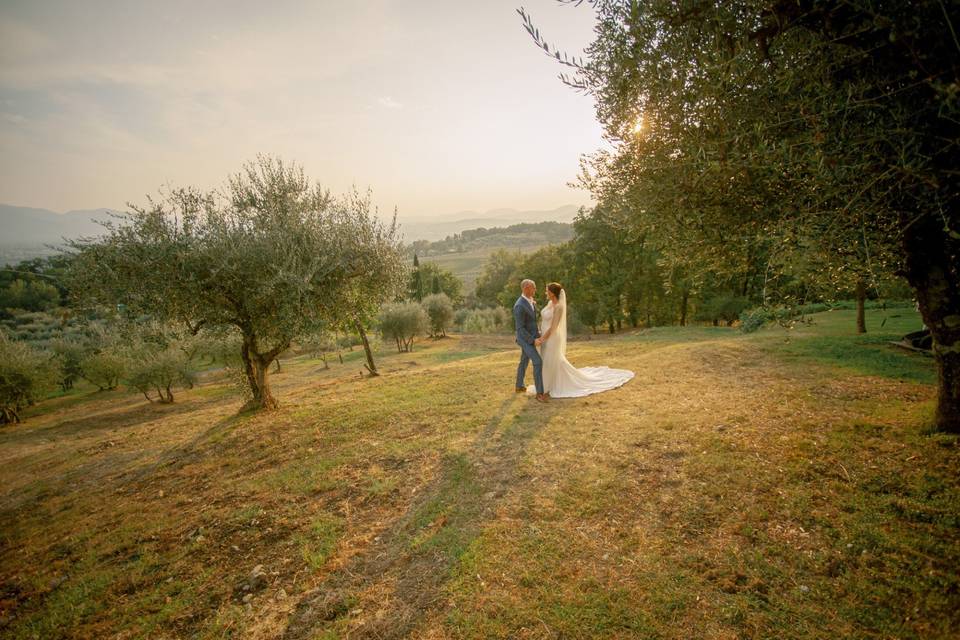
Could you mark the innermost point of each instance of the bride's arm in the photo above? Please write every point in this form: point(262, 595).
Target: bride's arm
point(554, 321)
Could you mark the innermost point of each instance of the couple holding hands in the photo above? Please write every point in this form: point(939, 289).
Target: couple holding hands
point(553, 375)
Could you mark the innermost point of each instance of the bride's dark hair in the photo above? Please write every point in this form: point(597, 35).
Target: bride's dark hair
point(555, 288)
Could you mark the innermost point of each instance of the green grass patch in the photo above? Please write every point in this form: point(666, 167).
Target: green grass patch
point(321, 540)
point(441, 522)
point(68, 606)
point(214, 391)
point(831, 340)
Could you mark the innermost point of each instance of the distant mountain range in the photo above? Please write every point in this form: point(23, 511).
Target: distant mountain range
point(24, 231)
point(26, 225)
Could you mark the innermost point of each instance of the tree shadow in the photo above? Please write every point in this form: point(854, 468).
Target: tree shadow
point(99, 421)
point(421, 547)
point(87, 467)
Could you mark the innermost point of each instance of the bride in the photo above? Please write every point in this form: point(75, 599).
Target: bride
point(560, 378)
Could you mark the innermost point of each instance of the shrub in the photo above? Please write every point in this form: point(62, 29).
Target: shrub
point(26, 374)
point(753, 319)
point(491, 320)
point(725, 307)
point(402, 322)
point(460, 317)
point(440, 311)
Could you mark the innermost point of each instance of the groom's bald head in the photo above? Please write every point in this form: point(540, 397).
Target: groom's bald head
point(528, 287)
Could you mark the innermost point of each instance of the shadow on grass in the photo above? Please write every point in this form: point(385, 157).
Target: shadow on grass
point(419, 550)
point(186, 453)
point(137, 412)
point(88, 468)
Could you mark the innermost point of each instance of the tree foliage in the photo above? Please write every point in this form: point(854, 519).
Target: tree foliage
point(26, 374)
point(30, 295)
point(104, 368)
point(402, 322)
point(496, 275)
point(749, 131)
point(69, 354)
point(159, 371)
point(430, 276)
point(440, 312)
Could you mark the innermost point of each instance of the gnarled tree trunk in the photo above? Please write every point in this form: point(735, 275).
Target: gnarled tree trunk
point(257, 369)
point(934, 277)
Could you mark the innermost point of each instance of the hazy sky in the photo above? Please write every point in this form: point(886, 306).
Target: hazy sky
point(437, 105)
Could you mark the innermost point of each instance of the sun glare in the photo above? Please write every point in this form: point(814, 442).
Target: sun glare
point(642, 126)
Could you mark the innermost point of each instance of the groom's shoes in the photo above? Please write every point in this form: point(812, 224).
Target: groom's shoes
point(521, 389)
point(543, 397)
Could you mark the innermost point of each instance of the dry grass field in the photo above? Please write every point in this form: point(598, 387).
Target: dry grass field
point(772, 485)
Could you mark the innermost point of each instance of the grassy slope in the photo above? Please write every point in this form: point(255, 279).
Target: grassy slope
point(739, 486)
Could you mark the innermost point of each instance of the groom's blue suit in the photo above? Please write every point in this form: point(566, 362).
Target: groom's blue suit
point(525, 319)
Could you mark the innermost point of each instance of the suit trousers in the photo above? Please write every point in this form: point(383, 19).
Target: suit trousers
point(529, 353)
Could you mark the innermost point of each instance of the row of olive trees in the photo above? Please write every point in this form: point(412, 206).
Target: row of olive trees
point(144, 357)
point(272, 256)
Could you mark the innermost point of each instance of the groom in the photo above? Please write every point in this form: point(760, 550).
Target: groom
point(528, 337)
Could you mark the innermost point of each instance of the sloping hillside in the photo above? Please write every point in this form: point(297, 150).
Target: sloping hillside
point(467, 252)
point(519, 236)
point(739, 486)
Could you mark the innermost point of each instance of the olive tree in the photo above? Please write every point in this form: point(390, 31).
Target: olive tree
point(402, 322)
point(104, 368)
point(440, 311)
point(26, 374)
point(159, 370)
point(272, 254)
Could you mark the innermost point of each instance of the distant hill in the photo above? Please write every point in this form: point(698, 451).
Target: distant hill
point(465, 253)
point(438, 229)
point(523, 236)
point(26, 232)
point(27, 225)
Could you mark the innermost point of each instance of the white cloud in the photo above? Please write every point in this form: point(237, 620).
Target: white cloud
point(389, 103)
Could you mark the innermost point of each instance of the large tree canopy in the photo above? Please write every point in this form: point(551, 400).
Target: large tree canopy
point(752, 130)
point(273, 256)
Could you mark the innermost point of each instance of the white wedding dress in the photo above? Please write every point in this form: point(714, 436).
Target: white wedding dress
point(560, 378)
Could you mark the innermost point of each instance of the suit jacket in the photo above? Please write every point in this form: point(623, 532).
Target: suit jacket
point(525, 319)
